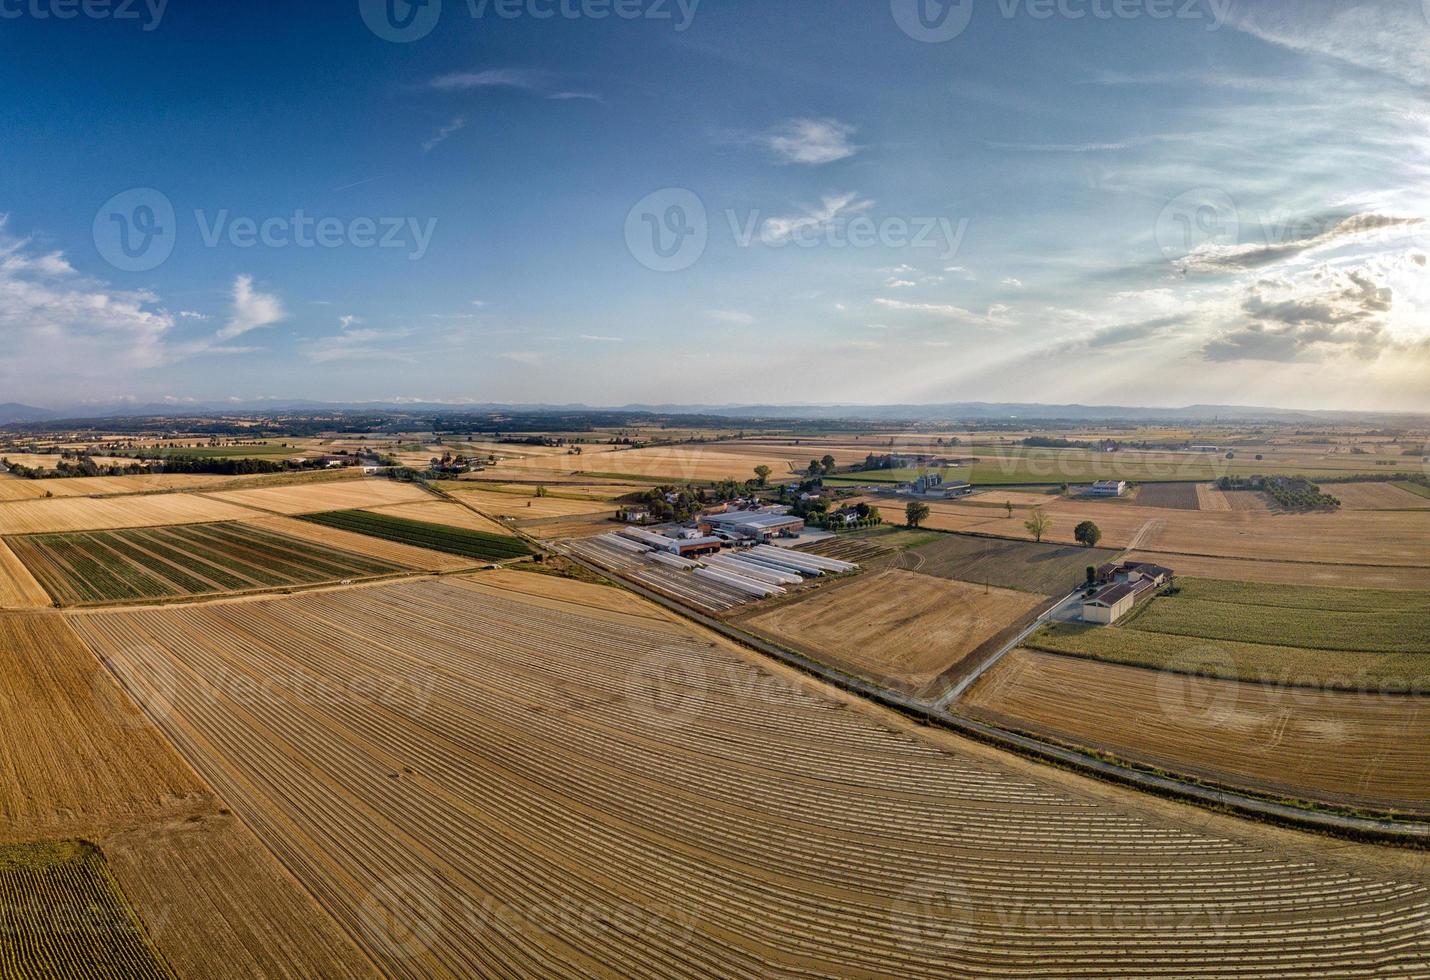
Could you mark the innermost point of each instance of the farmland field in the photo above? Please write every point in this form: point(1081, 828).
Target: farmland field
point(336, 495)
point(1327, 619)
point(1419, 489)
point(1177, 496)
point(441, 512)
point(1293, 572)
point(523, 784)
point(191, 559)
point(18, 588)
point(528, 506)
point(896, 627)
point(1375, 496)
point(1269, 662)
point(62, 915)
point(78, 761)
point(478, 545)
point(103, 513)
point(1048, 569)
point(1346, 748)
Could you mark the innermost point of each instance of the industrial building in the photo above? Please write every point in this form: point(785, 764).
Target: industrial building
point(752, 525)
point(1109, 488)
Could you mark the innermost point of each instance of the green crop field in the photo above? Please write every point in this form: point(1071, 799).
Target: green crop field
point(62, 914)
point(1419, 489)
point(1048, 569)
point(193, 559)
point(480, 545)
point(1315, 618)
point(1348, 639)
point(1235, 660)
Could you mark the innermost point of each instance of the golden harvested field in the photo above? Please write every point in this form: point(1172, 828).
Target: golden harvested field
point(899, 628)
point(79, 761)
point(1347, 537)
point(578, 526)
point(87, 486)
point(1374, 496)
point(1345, 748)
point(1292, 573)
point(102, 513)
point(363, 544)
point(694, 461)
point(514, 785)
point(526, 507)
point(442, 512)
point(62, 914)
point(318, 497)
point(18, 588)
point(14, 488)
point(1211, 498)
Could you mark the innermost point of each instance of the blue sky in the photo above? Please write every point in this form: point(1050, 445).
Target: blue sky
point(1137, 202)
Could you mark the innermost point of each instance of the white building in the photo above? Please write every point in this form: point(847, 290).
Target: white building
point(1109, 488)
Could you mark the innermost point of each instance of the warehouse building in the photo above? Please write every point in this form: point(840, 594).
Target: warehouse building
point(752, 525)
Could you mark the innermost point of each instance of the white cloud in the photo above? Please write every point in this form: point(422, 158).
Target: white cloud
point(456, 125)
point(463, 81)
point(827, 213)
point(898, 283)
point(530, 358)
point(361, 344)
point(997, 315)
point(1386, 37)
point(252, 310)
point(1015, 283)
point(811, 141)
point(598, 338)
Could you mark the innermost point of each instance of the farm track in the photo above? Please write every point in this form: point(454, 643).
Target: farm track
point(611, 793)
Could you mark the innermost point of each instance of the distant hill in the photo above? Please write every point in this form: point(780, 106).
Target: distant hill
point(15, 412)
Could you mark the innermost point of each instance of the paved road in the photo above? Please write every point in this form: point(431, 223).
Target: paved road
point(1060, 612)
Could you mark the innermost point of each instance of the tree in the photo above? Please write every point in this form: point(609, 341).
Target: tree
point(762, 474)
point(1009, 505)
point(1088, 533)
point(916, 513)
point(828, 463)
point(1038, 524)
point(1091, 574)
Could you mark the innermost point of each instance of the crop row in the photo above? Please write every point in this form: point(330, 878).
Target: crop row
point(63, 915)
point(523, 785)
point(479, 545)
point(195, 559)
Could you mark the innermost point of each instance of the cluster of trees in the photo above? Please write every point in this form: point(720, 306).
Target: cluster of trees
point(671, 503)
point(865, 516)
point(86, 466)
point(1289, 492)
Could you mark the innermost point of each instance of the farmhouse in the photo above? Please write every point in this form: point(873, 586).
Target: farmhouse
point(1109, 488)
point(957, 489)
point(1123, 586)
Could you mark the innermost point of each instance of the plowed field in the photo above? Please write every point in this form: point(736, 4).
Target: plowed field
point(517, 785)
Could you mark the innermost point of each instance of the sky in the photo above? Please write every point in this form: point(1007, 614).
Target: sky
point(1132, 202)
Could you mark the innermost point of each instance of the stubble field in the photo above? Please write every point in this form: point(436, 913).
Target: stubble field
point(1361, 750)
point(519, 783)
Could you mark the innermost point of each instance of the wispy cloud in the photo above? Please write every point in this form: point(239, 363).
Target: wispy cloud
point(997, 316)
point(830, 210)
point(811, 141)
point(598, 338)
point(456, 125)
point(465, 81)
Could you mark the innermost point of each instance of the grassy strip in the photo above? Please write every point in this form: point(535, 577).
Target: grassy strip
point(1314, 618)
point(1419, 489)
point(1263, 663)
point(479, 545)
